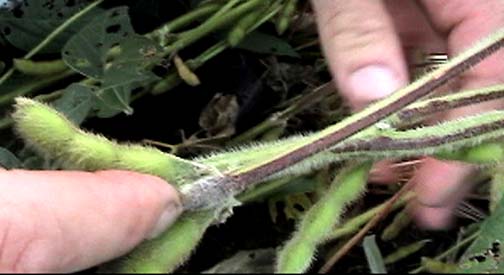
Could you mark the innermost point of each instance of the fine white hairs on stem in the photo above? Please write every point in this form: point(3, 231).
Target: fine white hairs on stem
point(210, 192)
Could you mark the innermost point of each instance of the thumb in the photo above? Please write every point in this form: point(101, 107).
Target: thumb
point(362, 48)
point(65, 221)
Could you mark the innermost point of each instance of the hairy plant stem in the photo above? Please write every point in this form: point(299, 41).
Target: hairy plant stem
point(373, 113)
point(234, 182)
point(417, 111)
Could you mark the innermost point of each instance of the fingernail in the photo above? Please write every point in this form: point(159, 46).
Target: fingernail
point(166, 219)
point(373, 82)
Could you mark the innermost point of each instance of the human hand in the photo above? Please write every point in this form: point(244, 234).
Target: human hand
point(66, 221)
point(364, 42)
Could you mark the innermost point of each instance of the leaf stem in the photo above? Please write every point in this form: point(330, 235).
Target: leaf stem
point(357, 238)
point(450, 251)
point(374, 113)
point(32, 86)
point(189, 37)
point(355, 223)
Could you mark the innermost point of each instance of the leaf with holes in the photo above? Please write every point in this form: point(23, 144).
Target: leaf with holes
point(88, 50)
point(485, 254)
point(89, 53)
point(76, 103)
point(27, 24)
point(126, 73)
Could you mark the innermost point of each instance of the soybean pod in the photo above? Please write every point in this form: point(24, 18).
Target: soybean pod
point(40, 68)
point(55, 137)
point(316, 226)
point(285, 17)
point(242, 27)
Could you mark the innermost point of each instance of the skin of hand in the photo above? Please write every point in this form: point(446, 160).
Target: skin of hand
point(366, 41)
point(67, 221)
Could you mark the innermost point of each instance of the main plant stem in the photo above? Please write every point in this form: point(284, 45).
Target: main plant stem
point(234, 182)
point(374, 113)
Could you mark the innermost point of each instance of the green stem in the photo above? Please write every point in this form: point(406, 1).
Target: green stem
point(281, 117)
point(173, 79)
point(30, 87)
point(264, 189)
point(189, 37)
point(224, 9)
point(189, 18)
point(353, 225)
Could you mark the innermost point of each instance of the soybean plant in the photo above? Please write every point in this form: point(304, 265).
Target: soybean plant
point(211, 184)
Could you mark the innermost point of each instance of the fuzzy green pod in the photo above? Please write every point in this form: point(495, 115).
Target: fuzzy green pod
point(300, 256)
point(90, 152)
point(152, 161)
point(42, 127)
point(316, 225)
point(167, 252)
point(39, 68)
point(56, 137)
point(285, 17)
point(400, 222)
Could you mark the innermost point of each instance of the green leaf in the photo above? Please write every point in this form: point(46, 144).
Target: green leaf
point(8, 160)
point(485, 255)
point(126, 73)
point(113, 102)
point(28, 25)
point(87, 51)
point(76, 103)
point(109, 51)
point(267, 44)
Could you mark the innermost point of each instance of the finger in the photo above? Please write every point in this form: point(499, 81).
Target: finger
point(61, 221)
point(439, 186)
point(464, 23)
point(362, 48)
point(414, 28)
point(433, 218)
